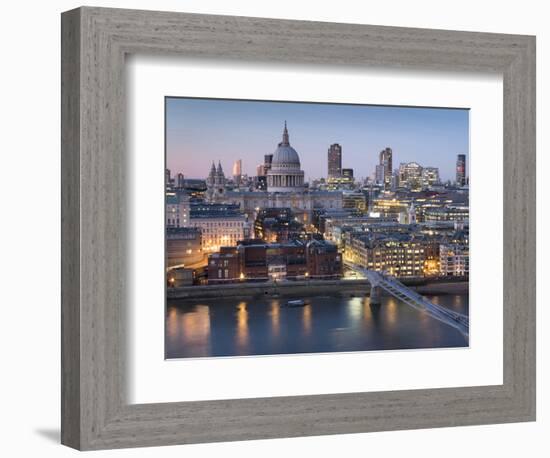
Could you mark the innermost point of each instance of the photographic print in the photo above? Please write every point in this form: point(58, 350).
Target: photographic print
point(299, 227)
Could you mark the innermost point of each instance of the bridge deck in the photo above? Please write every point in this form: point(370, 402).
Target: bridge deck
point(400, 291)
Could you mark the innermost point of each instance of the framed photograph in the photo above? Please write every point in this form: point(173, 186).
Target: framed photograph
point(279, 228)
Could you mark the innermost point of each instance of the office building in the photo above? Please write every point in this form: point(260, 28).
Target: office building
point(334, 156)
point(461, 170)
point(386, 160)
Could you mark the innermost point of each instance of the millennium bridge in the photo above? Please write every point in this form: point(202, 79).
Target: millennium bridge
point(382, 281)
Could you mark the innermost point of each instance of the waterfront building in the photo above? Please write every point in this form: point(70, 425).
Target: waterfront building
point(386, 161)
point(296, 260)
point(400, 255)
point(183, 247)
point(461, 170)
point(285, 174)
point(334, 165)
point(454, 259)
point(179, 277)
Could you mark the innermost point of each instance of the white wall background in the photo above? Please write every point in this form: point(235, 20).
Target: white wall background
point(29, 181)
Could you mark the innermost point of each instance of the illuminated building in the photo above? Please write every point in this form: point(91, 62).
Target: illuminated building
point(399, 255)
point(389, 207)
point(430, 176)
point(237, 171)
point(277, 225)
point(355, 201)
point(177, 210)
point(454, 259)
point(447, 213)
point(220, 225)
point(183, 246)
point(260, 262)
point(410, 175)
point(301, 203)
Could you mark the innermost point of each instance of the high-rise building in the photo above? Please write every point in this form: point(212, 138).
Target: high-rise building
point(410, 175)
point(180, 180)
point(386, 159)
point(430, 176)
point(237, 171)
point(334, 161)
point(167, 177)
point(461, 170)
point(379, 174)
point(268, 159)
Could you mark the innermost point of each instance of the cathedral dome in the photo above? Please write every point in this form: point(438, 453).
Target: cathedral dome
point(285, 175)
point(285, 156)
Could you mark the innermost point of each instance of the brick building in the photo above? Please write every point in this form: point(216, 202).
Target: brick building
point(251, 261)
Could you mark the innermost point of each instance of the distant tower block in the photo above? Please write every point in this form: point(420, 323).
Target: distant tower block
point(334, 161)
point(461, 170)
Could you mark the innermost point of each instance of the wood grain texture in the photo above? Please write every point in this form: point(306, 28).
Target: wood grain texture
point(96, 414)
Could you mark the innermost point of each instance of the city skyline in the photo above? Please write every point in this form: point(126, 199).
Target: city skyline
point(209, 130)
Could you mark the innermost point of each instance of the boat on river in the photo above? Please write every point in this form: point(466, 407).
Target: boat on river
point(296, 303)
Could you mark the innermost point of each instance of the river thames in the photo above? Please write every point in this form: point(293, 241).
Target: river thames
point(266, 326)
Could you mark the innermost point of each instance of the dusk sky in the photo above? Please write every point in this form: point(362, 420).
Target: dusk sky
point(199, 131)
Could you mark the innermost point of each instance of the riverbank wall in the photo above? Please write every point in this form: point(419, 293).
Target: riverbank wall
point(285, 289)
point(345, 288)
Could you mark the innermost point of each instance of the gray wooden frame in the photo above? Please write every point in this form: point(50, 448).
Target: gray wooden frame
point(95, 413)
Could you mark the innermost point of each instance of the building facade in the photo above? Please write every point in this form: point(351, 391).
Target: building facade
point(177, 210)
point(183, 247)
point(399, 255)
point(386, 161)
point(410, 175)
point(260, 262)
point(334, 161)
point(461, 170)
point(454, 259)
point(430, 177)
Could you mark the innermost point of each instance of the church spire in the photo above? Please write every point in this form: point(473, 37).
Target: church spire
point(285, 141)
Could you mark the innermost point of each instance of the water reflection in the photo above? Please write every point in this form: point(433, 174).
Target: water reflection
point(265, 326)
point(275, 318)
point(306, 319)
point(242, 328)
